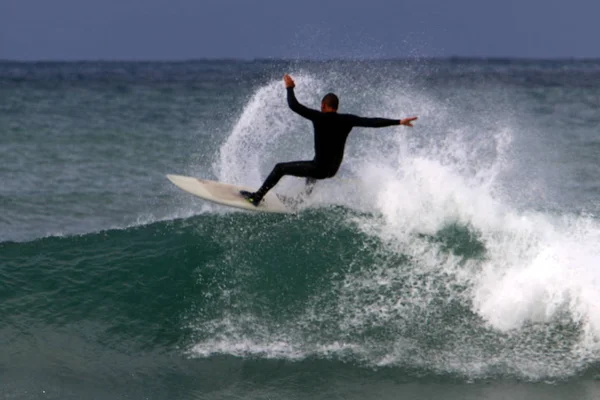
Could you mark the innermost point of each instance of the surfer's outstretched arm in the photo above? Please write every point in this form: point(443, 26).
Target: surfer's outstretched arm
point(294, 104)
point(379, 122)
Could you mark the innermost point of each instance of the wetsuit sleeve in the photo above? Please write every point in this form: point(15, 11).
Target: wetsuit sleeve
point(298, 108)
point(372, 122)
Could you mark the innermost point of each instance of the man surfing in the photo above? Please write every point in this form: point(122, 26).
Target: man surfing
point(331, 130)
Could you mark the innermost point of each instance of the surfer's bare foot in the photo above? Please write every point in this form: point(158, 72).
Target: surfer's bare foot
point(251, 197)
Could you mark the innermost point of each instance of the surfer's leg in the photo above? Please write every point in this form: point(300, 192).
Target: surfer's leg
point(301, 169)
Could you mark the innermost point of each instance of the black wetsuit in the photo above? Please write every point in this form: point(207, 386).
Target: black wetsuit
point(331, 131)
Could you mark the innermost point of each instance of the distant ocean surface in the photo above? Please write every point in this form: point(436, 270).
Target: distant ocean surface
point(459, 259)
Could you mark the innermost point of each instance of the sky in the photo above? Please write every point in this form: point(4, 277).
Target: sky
point(301, 29)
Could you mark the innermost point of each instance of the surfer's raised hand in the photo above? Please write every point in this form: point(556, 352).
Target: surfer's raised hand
point(408, 121)
point(289, 82)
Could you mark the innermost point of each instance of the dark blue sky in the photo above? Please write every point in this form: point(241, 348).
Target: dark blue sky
point(191, 29)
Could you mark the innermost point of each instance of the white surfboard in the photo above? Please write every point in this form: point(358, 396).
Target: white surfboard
point(229, 195)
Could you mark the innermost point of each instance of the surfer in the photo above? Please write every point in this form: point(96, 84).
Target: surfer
point(330, 131)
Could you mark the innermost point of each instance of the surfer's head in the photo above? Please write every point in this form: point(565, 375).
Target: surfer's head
point(330, 103)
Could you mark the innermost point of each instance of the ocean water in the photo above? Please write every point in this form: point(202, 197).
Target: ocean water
point(459, 259)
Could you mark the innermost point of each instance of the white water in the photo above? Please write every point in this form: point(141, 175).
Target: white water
point(539, 271)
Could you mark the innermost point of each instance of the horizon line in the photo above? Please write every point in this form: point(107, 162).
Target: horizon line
point(284, 59)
